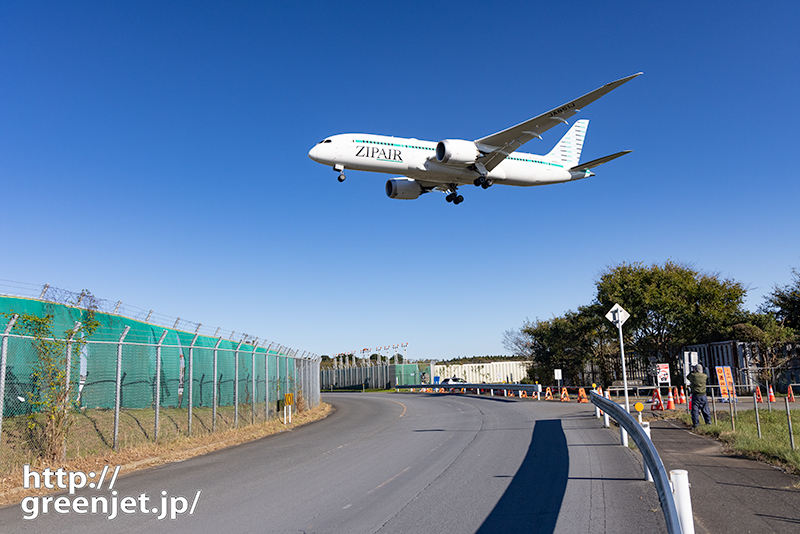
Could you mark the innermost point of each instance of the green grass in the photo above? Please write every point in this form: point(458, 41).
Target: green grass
point(774, 445)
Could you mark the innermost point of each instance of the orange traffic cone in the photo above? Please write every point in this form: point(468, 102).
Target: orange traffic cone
point(658, 404)
point(790, 395)
point(656, 396)
point(771, 395)
point(564, 395)
point(675, 395)
point(758, 394)
point(670, 401)
point(683, 396)
point(582, 396)
point(548, 394)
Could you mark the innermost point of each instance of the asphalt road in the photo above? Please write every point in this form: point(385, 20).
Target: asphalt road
point(394, 463)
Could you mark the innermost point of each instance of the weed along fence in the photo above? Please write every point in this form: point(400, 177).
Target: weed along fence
point(125, 381)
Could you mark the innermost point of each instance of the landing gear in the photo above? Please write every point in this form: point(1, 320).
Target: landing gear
point(453, 196)
point(483, 182)
point(340, 170)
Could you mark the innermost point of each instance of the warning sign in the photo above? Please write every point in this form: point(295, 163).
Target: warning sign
point(725, 380)
point(662, 372)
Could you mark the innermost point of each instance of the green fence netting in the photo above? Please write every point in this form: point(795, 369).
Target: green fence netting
point(94, 368)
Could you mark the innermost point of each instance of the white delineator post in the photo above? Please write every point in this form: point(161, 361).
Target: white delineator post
point(683, 499)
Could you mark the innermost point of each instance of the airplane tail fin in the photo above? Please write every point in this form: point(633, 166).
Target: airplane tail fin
point(568, 149)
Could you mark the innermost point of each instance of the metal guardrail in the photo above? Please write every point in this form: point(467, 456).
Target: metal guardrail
point(528, 388)
point(650, 455)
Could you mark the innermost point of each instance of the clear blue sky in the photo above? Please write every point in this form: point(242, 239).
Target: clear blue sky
point(156, 153)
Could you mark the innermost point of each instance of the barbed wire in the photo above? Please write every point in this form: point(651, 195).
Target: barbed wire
point(86, 300)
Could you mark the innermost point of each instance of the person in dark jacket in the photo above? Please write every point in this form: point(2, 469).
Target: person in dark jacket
point(697, 386)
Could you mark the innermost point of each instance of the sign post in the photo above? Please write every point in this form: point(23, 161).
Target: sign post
point(618, 316)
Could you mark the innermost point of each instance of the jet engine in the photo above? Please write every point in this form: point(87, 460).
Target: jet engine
point(403, 188)
point(456, 151)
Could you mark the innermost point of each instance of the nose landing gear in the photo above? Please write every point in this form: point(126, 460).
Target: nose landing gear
point(340, 170)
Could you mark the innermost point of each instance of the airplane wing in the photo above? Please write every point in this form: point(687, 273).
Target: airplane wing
point(498, 146)
point(599, 161)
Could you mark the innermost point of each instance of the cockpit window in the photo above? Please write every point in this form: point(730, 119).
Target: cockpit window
point(324, 141)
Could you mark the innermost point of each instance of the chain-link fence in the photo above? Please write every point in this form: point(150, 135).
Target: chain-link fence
point(369, 376)
point(130, 382)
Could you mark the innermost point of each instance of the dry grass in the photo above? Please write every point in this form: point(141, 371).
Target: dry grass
point(136, 452)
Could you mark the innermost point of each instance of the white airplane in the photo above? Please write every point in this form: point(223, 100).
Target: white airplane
point(444, 166)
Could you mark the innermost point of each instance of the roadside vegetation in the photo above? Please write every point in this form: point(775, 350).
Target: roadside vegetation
point(671, 306)
point(774, 445)
point(138, 451)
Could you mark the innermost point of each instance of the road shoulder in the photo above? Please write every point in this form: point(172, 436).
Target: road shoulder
point(729, 493)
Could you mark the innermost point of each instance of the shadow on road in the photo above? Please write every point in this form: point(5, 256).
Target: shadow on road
point(533, 499)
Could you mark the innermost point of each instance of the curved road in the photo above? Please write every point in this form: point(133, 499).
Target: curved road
point(402, 463)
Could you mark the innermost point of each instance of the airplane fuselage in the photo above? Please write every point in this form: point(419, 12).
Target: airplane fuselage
point(417, 159)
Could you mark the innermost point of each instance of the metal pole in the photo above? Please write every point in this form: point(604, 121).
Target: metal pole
point(236, 385)
point(158, 384)
point(69, 356)
point(3, 361)
point(253, 382)
point(266, 384)
point(624, 380)
point(215, 387)
point(266, 381)
point(191, 380)
point(758, 419)
point(287, 378)
point(789, 418)
point(118, 387)
point(713, 405)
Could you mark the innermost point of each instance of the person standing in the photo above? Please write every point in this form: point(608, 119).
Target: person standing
point(697, 386)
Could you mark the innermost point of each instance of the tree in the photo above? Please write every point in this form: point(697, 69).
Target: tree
point(518, 342)
point(555, 345)
point(671, 305)
point(771, 336)
point(55, 378)
point(784, 302)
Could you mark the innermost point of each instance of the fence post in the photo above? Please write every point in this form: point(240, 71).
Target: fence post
point(236, 385)
point(158, 384)
point(266, 381)
point(253, 382)
point(191, 372)
point(118, 387)
point(758, 419)
point(69, 356)
point(3, 361)
point(789, 418)
point(214, 389)
point(287, 376)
